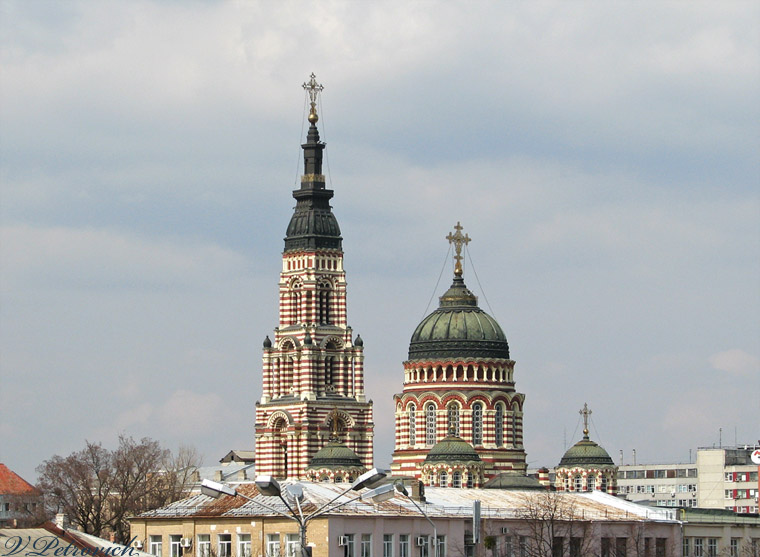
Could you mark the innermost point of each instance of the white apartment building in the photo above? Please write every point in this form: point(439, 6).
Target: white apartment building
point(721, 478)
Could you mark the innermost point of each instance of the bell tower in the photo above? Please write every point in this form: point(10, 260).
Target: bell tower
point(313, 368)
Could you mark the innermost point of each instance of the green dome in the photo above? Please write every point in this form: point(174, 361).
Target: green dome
point(452, 449)
point(586, 454)
point(458, 328)
point(513, 480)
point(335, 455)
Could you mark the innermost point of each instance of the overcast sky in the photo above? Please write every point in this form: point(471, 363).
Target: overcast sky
point(602, 156)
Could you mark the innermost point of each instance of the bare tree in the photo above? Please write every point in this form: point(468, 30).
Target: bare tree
point(553, 527)
point(99, 489)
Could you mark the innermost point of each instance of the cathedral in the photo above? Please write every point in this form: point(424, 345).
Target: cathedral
point(459, 416)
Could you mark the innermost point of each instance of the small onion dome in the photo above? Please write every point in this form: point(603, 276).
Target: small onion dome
point(586, 454)
point(335, 455)
point(513, 480)
point(267, 342)
point(452, 449)
point(458, 328)
point(359, 342)
point(307, 339)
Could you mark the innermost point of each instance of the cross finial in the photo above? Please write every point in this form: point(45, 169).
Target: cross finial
point(314, 89)
point(459, 240)
point(585, 412)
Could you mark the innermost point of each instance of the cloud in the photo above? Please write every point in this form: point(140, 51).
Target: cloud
point(189, 414)
point(736, 362)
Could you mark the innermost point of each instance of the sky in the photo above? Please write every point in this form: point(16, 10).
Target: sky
point(603, 157)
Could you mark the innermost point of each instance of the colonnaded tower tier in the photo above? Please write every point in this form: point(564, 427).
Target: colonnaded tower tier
point(459, 419)
point(313, 368)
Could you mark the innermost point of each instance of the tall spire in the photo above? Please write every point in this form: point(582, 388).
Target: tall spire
point(313, 225)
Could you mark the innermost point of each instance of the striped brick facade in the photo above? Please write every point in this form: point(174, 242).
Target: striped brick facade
point(313, 368)
point(454, 388)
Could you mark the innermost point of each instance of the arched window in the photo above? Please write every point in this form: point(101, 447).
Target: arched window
point(443, 479)
point(590, 482)
point(470, 479)
point(578, 482)
point(325, 479)
point(338, 479)
point(324, 300)
point(603, 487)
point(456, 479)
point(295, 302)
point(412, 424)
point(498, 425)
point(453, 415)
point(477, 424)
point(430, 424)
point(515, 408)
point(330, 378)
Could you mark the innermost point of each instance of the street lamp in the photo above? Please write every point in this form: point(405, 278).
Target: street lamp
point(403, 491)
point(270, 487)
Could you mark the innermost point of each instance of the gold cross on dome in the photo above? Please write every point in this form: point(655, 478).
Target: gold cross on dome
point(313, 88)
point(459, 240)
point(585, 412)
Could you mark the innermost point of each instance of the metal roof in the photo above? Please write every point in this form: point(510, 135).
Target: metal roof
point(440, 502)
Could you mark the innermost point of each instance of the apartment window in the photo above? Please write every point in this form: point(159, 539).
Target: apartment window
point(469, 545)
point(430, 424)
point(734, 547)
point(443, 479)
point(456, 479)
point(648, 547)
point(660, 546)
point(412, 424)
point(204, 545)
point(155, 546)
point(424, 547)
point(477, 424)
point(441, 546)
point(404, 547)
point(712, 547)
point(498, 425)
point(453, 415)
point(575, 547)
point(387, 545)
point(606, 547)
point(366, 545)
point(349, 550)
point(729, 493)
point(557, 546)
point(273, 545)
point(685, 547)
point(508, 548)
point(224, 545)
point(293, 545)
point(621, 547)
point(691, 473)
point(244, 545)
point(523, 546)
point(729, 476)
point(699, 550)
point(175, 549)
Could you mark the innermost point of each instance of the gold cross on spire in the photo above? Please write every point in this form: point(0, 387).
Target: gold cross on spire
point(459, 240)
point(585, 412)
point(314, 89)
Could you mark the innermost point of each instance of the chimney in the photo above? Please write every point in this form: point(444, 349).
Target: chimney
point(62, 521)
point(543, 477)
point(418, 490)
point(242, 475)
point(217, 475)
